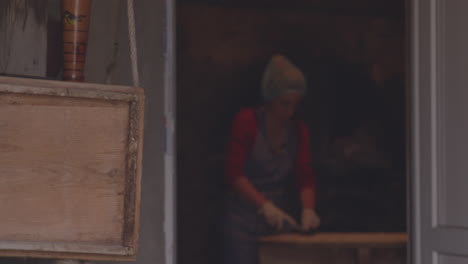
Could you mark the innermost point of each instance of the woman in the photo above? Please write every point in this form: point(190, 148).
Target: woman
point(268, 166)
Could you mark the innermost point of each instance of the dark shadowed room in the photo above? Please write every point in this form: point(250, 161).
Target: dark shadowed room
point(353, 56)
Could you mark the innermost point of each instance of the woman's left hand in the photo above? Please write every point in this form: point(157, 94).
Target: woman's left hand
point(310, 219)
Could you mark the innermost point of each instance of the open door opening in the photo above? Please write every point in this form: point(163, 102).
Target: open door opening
point(353, 56)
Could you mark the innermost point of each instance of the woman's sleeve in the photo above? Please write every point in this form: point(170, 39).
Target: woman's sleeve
point(304, 168)
point(240, 143)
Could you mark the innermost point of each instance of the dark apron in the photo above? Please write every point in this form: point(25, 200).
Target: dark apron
point(272, 174)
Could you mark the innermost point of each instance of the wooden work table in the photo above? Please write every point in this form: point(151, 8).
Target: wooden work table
point(331, 248)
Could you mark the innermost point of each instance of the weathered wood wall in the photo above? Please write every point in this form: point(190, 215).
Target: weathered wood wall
point(23, 37)
point(105, 44)
point(150, 27)
point(25, 52)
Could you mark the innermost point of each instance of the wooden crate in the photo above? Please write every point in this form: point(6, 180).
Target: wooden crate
point(70, 168)
point(334, 248)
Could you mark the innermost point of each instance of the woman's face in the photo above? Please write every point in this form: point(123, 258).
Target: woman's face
point(284, 107)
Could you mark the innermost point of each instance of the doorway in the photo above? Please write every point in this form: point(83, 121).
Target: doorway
point(353, 55)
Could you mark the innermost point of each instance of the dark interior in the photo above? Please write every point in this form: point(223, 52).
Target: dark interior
point(353, 54)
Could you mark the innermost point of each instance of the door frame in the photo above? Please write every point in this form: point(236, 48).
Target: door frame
point(170, 175)
point(412, 215)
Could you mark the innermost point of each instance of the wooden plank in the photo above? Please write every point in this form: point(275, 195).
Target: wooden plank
point(52, 174)
point(132, 186)
point(70, 169)
point(23, 34)
point(339, 239)
point(343, 248)
point(63, 247)
point(65, 88)
point(65, 255)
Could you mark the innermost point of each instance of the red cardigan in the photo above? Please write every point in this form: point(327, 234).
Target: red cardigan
point(243, 136)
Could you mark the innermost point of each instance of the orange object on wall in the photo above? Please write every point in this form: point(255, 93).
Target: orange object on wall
point(75, 20)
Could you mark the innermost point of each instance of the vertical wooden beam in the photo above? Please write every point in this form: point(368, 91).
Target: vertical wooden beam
point(23, 37)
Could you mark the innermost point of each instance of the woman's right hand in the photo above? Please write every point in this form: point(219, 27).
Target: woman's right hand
point(310, 219)
point(275, 217)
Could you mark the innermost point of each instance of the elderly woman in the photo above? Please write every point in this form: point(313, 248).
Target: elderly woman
point(268, 167)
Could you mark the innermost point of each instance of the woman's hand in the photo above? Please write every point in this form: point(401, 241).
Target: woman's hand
point(275, 217)
point(310, 219)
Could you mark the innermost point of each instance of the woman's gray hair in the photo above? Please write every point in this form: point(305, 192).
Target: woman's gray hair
point(282, 77)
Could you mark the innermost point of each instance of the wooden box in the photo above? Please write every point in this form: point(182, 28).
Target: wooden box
point(70, 168)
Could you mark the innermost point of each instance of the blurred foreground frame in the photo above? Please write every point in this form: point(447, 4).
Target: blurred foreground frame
point(70, 169)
